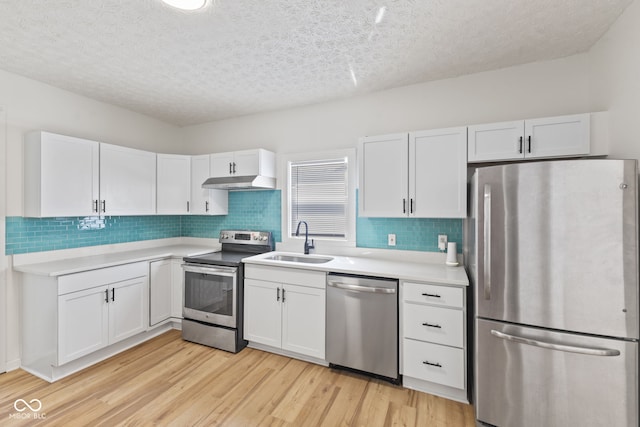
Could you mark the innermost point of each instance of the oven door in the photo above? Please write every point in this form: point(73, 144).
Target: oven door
point(210, 294)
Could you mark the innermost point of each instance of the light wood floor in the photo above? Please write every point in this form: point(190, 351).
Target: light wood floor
point(167, 381)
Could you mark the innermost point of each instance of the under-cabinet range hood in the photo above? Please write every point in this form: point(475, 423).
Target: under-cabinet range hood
point(256, 182)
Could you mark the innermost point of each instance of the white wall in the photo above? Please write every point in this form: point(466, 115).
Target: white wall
point(533, 90)
point(614, 64)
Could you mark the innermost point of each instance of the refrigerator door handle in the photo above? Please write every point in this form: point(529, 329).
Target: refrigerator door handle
point(557, 347)
point(487, 242)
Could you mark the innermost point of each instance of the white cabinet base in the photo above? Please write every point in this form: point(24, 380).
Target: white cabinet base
point(42, 368)
point(291, 354)
point(435, 388)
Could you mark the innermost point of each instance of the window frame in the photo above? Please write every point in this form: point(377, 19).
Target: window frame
point(285, 171)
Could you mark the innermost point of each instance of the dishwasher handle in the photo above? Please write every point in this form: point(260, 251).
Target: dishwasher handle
point(360, 288)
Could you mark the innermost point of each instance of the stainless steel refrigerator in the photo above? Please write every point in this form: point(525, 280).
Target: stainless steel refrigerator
point(552, 250)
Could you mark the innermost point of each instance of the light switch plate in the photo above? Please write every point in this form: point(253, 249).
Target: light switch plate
point(391, 239)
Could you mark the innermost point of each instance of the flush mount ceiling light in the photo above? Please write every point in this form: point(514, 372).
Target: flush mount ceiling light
point(187, 4)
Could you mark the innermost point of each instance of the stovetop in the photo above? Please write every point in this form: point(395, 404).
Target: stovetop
point(224, 258)
point(236, 245)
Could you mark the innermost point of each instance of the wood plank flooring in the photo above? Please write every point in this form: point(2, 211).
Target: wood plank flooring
point(168, 381)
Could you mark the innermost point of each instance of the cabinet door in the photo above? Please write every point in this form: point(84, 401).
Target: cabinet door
point(174, 184)
point(128, 308)
point(303, 320)
point(384, 182)
point(160, 291)
point(496, 141)
point(60, 175)
point(127, 181)
point(557, 136)
point(221, 164)
point(204, 201)
point(246, 162)
point(83, 323)
point(177, 288)
point(262, 312)
point(438, 173)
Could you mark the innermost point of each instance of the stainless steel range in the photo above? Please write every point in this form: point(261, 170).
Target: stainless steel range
point(213, 290)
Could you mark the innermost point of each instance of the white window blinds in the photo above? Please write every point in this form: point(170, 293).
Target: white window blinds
point(319, 196)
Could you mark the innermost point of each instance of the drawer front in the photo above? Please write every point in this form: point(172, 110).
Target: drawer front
point(433, 294)
point(433, 362)
point(101, 276)
point(434, 324)
point(296, 276)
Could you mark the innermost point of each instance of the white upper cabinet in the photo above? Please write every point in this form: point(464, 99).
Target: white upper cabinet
point(61, 175)
point(548, 137)
point(421, 174)
point(384, 184)
point(438, 173)
point(243, 163)
point(174, 184)
point(127, 181)
point(205, 201)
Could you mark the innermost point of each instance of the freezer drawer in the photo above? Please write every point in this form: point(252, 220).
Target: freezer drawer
point(522, 380)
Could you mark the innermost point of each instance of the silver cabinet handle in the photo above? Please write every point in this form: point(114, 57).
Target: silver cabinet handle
point(358, 288)
point(278, 295)
point(234, 167)
point(557, 347)
point(404, 206)
point(206, 206)
point(104, 206)
point(283, 294)
point(487, 241)
point(95, 206)
point(230, 172)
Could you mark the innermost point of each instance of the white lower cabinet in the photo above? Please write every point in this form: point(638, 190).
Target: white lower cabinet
point(284, 308)
point(67, 317)
point(433, 339)
point(160, 291)
point(93, 318)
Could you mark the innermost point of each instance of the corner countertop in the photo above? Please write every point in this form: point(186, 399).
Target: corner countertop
point(402, 270)
point(79, 264)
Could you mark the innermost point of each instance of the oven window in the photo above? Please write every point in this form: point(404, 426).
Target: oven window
point(209, 293)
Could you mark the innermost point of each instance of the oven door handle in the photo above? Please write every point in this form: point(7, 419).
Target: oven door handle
point(220, 271)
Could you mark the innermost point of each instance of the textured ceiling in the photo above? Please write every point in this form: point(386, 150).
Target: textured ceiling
point(244, 56)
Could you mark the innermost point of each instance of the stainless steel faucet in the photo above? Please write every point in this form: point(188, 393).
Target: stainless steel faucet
point(307, 246)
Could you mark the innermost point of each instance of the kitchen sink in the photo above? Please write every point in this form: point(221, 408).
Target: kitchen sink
point(305, 259)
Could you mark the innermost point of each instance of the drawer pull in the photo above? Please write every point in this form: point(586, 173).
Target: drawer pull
point(431, 325)
point(437, 365)
point(432, 295)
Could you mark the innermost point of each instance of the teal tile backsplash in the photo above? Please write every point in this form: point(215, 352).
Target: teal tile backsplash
point(254, 210)
point(25, 235)
point(247, 210)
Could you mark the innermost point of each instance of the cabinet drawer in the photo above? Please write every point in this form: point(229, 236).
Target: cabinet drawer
point(446, 363)
point(102, 276)
point(434, 324)
point(433, 294)
point(296, 276)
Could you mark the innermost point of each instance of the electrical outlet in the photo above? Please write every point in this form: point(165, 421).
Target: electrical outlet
point(391, 239)
point(442, 242)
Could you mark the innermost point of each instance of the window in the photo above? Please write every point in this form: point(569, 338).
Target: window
point(321, 192)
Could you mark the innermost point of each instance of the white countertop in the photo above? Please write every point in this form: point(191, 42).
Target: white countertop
point(78, 264)
point(402, 270)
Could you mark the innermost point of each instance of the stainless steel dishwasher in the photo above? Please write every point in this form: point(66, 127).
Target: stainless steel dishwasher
point(362, 324)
